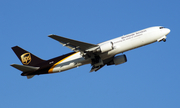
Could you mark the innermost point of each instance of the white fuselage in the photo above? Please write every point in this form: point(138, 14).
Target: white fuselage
point(120, 45)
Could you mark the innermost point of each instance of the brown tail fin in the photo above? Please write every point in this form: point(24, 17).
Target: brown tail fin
point(26, 57)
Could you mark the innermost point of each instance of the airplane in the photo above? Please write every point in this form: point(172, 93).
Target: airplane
point(98, 55)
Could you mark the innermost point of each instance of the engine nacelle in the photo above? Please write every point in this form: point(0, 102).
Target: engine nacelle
point(118, 60)
point(105, 47)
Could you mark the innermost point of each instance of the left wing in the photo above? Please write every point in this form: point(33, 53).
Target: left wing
point(73, 44)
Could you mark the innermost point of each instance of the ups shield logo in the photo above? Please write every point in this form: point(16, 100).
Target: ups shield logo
point(26, 58)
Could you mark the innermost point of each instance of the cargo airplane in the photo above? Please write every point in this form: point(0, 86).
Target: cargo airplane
point(98, 55)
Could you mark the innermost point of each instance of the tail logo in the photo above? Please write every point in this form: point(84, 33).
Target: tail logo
point(26, 58)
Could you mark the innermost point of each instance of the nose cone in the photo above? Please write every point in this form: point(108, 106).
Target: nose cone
point(167, 31)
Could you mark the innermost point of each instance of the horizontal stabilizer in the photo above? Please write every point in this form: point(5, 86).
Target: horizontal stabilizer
point(24, 68)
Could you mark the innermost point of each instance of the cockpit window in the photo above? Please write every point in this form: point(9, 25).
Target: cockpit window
point(161, 27)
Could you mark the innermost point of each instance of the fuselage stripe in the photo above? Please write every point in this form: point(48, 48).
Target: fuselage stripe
point(51, 69)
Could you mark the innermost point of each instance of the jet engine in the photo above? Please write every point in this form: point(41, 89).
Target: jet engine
point(105, 47)
point(118, 60)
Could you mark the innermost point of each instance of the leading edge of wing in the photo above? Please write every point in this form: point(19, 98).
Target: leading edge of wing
point(73, 44)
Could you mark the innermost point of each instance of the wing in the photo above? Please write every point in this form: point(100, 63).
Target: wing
point(86, 49)
point(73, 44)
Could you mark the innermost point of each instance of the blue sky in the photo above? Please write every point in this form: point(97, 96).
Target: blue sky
point(150, 78)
